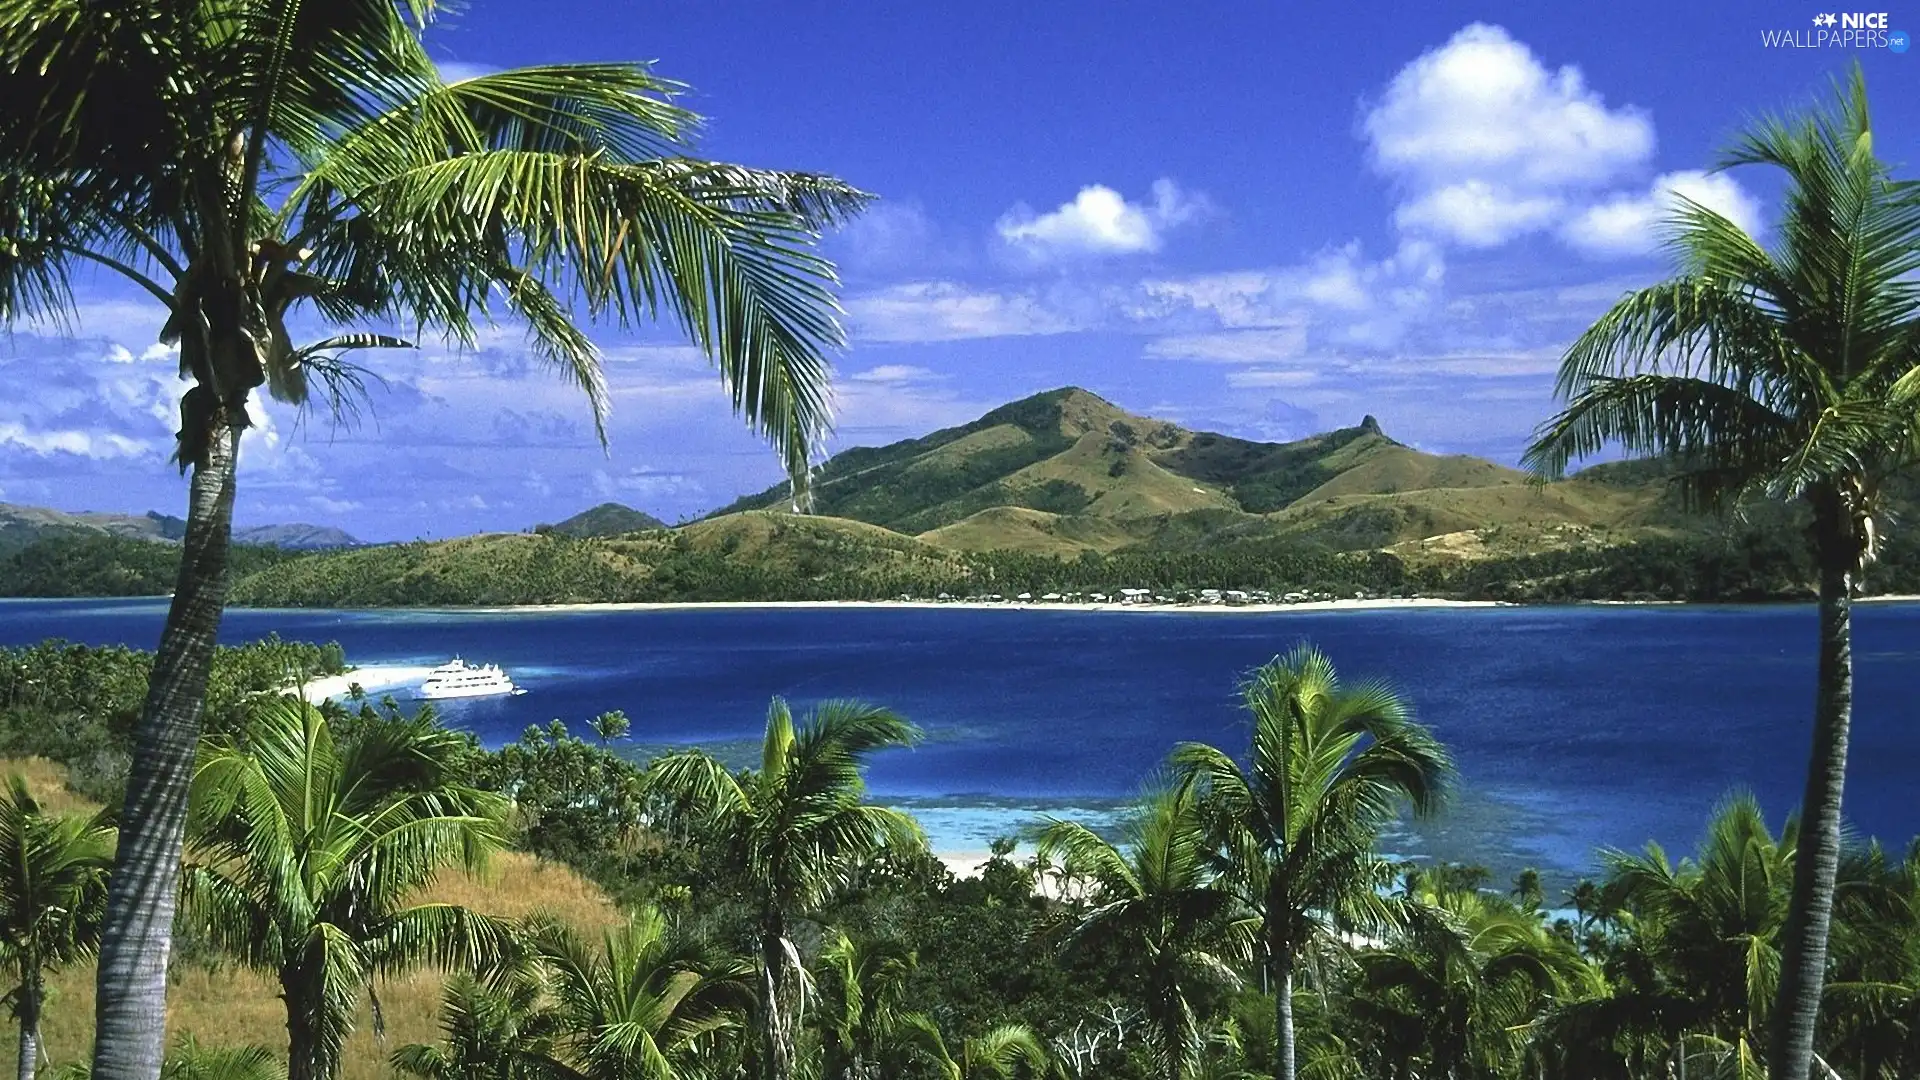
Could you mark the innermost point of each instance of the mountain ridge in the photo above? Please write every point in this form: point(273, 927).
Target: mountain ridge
point(1065, 471)
point(22, 525)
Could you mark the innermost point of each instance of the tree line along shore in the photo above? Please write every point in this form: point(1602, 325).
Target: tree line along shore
point(803, 561)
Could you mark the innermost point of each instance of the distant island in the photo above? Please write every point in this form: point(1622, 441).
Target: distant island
point(1059, 497)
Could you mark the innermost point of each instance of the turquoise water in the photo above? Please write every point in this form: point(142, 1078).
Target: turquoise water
point(1574, 728)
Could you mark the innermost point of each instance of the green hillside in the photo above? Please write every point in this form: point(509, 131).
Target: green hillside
point(1065, 471)
point(1060, 492)
point(749, 556)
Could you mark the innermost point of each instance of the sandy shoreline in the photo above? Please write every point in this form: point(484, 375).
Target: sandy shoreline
point(1010, 605)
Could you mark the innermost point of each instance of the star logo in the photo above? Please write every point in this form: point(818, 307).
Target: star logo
point(1824, 20)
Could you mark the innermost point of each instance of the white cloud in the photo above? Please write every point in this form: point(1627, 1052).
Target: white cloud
point(1268, 377)
point(453, 71)
point(893, 374)
point(1489, 144)
point(1233, 347)
point(1099, 221)
point(1628, 225)
point(945, 311)
point(641, 483)
point(1339, 295)
point(1476, 214)
point(98, 445)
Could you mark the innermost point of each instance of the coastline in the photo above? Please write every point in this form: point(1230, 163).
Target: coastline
point(1009, 605)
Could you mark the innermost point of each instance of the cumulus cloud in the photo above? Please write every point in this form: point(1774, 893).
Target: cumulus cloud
point(1339, 295)
point(1487, 143)
point(1632, 224)
point(98, 445)
point(1099, 221)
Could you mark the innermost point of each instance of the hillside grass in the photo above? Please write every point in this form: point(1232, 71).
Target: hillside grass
point(223, 1005)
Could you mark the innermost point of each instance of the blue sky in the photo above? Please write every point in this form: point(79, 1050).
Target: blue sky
point(1262, 219)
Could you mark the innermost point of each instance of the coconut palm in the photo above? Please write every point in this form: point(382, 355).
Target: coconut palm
point(611, 726)
point(53, 887)
point(1790, 371)
point(861, 985)
point(294, 183)
point(642, 1004)
point(492, 1029)
point(188, 1060)
point(1003, 1053)
point(1872, 1004)
point(1710, 928)
point(1154, 897)
point(793, 832)
point(1466, 976)
point(307, 855)
point(1331, 766)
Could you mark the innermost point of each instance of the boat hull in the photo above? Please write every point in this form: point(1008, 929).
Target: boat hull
point(437, 693)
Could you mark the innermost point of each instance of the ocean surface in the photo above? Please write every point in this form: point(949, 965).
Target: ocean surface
point(1574, 728)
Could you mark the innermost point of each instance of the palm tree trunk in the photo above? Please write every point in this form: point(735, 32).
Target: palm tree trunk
point(1283, 1058)
point(27, 1009)
point(1803, 961)
point(131, 1010)
point(303, 1050)
point(776, 1011)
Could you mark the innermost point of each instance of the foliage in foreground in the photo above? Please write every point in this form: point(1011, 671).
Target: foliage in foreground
point(1131, 961)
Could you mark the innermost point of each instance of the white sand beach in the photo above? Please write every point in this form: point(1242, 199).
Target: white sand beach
point(1017, 605)
point(373, 679)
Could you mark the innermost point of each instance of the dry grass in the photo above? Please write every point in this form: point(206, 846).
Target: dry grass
point(223, 1005)
point(48, 782)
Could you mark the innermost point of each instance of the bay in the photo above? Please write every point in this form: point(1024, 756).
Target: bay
point(1574, 728)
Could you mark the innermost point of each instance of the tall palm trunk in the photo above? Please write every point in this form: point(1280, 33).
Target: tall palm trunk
point(776, 989)
point(1281, 958)
point(27, 1010)
point(305, 1058)
point(1803, 960)
point(130, 1015)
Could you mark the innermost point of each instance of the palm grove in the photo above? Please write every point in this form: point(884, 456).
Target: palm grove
point(266, 168)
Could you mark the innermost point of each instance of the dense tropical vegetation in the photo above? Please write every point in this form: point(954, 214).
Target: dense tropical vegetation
point(1154, 951)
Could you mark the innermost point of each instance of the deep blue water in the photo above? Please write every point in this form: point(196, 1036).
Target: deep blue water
point(1574, 728)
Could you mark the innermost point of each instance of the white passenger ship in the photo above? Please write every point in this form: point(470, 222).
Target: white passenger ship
point(461, 679)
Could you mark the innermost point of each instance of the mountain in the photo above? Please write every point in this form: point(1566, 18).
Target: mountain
point(1067, 471)
point(607, 519)
point(24, 525)
point(296, 536)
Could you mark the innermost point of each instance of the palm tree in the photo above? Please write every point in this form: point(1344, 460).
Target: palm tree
point(492, 1029)
point(793, 831)
point(1000, 1054)
point(261, 167)
point(611, 726)
point(1873, 1000)
point(1331, 766)
point(188, 1060)
point(306, 853)
point(1154, 896)
point(53, 887)
point(644, 1003)
point(1790, 371)
point(1468, 976)
point(1712, 926)
point(860, 986)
